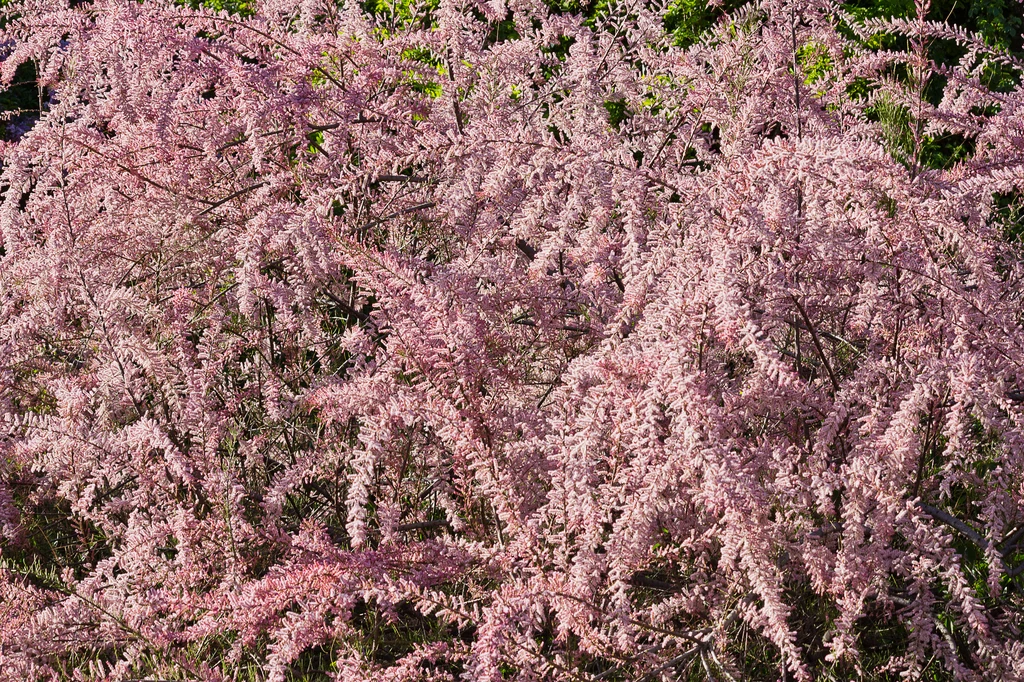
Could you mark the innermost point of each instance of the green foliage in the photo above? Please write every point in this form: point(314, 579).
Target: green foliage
point(22, 97)
point(575, 6)
point(1010, 214)
point(617, 112)
point(912, 148)
point(240, 7)
point(868, 9)
point(503, 30)
point(999, 22)
point(815, 61)
point(945, 151)
point(689, 20)
point(415, 79)
point(396, 15)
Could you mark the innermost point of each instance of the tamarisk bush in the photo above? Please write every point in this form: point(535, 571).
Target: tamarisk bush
point(458, 340)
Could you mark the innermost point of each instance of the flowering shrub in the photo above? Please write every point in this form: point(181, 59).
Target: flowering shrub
point(487, 341)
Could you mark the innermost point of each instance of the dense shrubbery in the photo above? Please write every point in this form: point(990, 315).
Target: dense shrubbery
point(511, 340)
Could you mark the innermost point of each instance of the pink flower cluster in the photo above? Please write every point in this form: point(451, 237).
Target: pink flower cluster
point(370, 346)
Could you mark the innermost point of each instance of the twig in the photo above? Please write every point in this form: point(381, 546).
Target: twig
point(400, 178)
point(229, 197)
point(956, 523)
point(835, 338)
point(1010, 542)
point(641, 580)
point(411, 209)
point(817, 344)
point(674, 661)
point(527, 250)
point(974, 536)
point(358, 314)
point(422, 525)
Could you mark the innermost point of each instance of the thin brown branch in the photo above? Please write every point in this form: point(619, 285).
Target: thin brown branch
point(817, 344)
point(233, 195)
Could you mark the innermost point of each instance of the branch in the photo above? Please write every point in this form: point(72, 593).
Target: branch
point(817, 344)
point(411, 209)
point(976, 538)
point(956, 523)
point(617, 278)
point(527, 250)
point(1010, 542)
point(834, 338)
point(229, 197)
point(358, 314)
point(642, 580)
point(422, 525)
point(400, 178)
point(135, 173)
